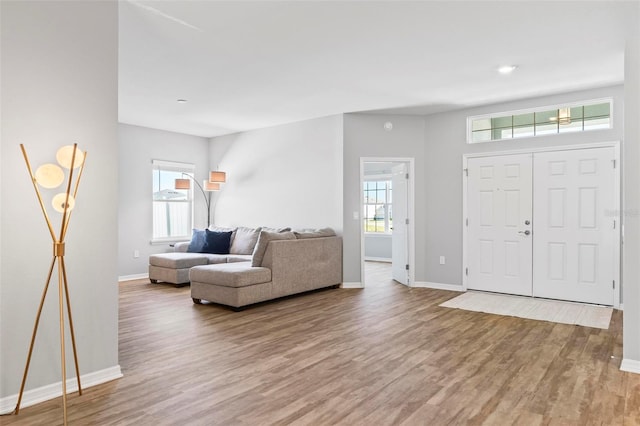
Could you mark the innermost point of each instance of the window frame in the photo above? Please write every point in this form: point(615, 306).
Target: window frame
point(179, 167)
point(541, 109)
point(388, 205)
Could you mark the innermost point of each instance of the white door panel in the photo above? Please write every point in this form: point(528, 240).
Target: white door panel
point(499, 213)
point(573, 249)
point(400, 233)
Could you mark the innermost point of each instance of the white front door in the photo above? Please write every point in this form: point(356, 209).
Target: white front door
point(574, 231)
point(499, 198)
point(400, 231)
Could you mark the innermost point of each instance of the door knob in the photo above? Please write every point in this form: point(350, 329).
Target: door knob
point(527, 232)
point(527, 222)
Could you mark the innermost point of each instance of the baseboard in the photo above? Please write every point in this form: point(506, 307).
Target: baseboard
point(133, 277)
point(54, 390)
point(377, 259)
point(630, 365)
point(437, 286)
point(352, 285)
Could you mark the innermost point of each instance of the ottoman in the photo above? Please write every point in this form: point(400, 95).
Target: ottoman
point(234, 284)
point(174, 267)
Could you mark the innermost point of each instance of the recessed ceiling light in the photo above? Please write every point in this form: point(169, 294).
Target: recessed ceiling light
point(182, 101)
point(507, 69)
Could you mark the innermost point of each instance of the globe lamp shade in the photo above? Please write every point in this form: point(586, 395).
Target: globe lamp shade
point(49, 175)
point(65, 154)
point(58, 202)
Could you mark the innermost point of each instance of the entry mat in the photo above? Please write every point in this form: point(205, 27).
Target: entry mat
point(533, 308)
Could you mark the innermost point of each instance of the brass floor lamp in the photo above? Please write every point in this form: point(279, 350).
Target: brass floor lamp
point(52, 176)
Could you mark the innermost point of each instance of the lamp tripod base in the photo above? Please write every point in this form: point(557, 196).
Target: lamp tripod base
point(63, 295)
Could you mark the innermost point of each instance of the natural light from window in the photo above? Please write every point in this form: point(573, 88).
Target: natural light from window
point(172, 208)
point(377, 214)
point(583, 116)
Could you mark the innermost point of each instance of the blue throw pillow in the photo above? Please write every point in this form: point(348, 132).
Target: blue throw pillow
point(197, 241)
point(217, 242)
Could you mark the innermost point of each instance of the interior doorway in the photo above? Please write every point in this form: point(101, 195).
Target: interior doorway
point(387, 216)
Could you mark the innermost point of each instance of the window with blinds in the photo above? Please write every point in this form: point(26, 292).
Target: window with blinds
point(172, 208)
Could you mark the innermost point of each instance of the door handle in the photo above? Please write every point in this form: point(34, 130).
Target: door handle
point(527, 232)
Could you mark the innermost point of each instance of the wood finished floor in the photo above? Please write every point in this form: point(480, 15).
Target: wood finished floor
point(379, 356)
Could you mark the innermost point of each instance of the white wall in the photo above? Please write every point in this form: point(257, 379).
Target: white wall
point(365, 136)
point(377, 246)
point(631, 192)
point(445, 144)
point(289, 175)
point(138, 146)
point(59, 86)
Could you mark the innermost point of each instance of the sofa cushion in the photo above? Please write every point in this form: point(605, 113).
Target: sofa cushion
point(238, 258)
point(244, 240)
point(215, 258)
point(230, 274)
point(314, 233)
point(217, 242)
point(263, 242)
point(197, 241)
point(181, 246)
point(177, 260)
point(266, 228)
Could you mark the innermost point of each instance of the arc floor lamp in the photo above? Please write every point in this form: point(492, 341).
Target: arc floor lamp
point(213, 184)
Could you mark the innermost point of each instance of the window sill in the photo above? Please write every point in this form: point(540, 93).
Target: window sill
point(378, 234)
point(169, 241)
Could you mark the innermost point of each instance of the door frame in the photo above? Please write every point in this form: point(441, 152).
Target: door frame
point(617, 201)
point(410, 214)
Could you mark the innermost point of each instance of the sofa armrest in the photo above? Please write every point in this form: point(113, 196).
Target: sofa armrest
point(182, 246)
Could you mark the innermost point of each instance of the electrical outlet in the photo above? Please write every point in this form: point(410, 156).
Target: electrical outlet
point(136, 254)
point(442, 260)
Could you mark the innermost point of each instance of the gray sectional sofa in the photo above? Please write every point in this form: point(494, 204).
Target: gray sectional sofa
point(174, 267)
point(281, 264)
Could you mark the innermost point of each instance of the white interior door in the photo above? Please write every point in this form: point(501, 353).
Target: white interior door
point(574, 225)
point(400, 232)
point(499, 207)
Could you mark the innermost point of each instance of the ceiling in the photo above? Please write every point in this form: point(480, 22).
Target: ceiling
point(244, 65)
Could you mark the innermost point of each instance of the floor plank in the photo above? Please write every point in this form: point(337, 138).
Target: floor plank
point(383, 355)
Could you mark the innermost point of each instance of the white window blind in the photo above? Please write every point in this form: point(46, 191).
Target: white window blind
point(172, 208)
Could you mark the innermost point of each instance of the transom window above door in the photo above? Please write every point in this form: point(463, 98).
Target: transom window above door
point(573, 117)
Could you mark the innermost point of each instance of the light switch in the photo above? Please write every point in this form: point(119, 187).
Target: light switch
point(442, 260)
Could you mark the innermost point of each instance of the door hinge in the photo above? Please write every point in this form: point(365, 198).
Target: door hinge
point(406, 221)
point(614, 163)
point(466, 172)
point(614, 224)
point(407, 266)
point(614, 284)
point(466, 271)
point(467, 221)
point(406, 176)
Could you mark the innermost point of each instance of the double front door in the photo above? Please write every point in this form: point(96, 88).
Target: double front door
point(543, 224)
